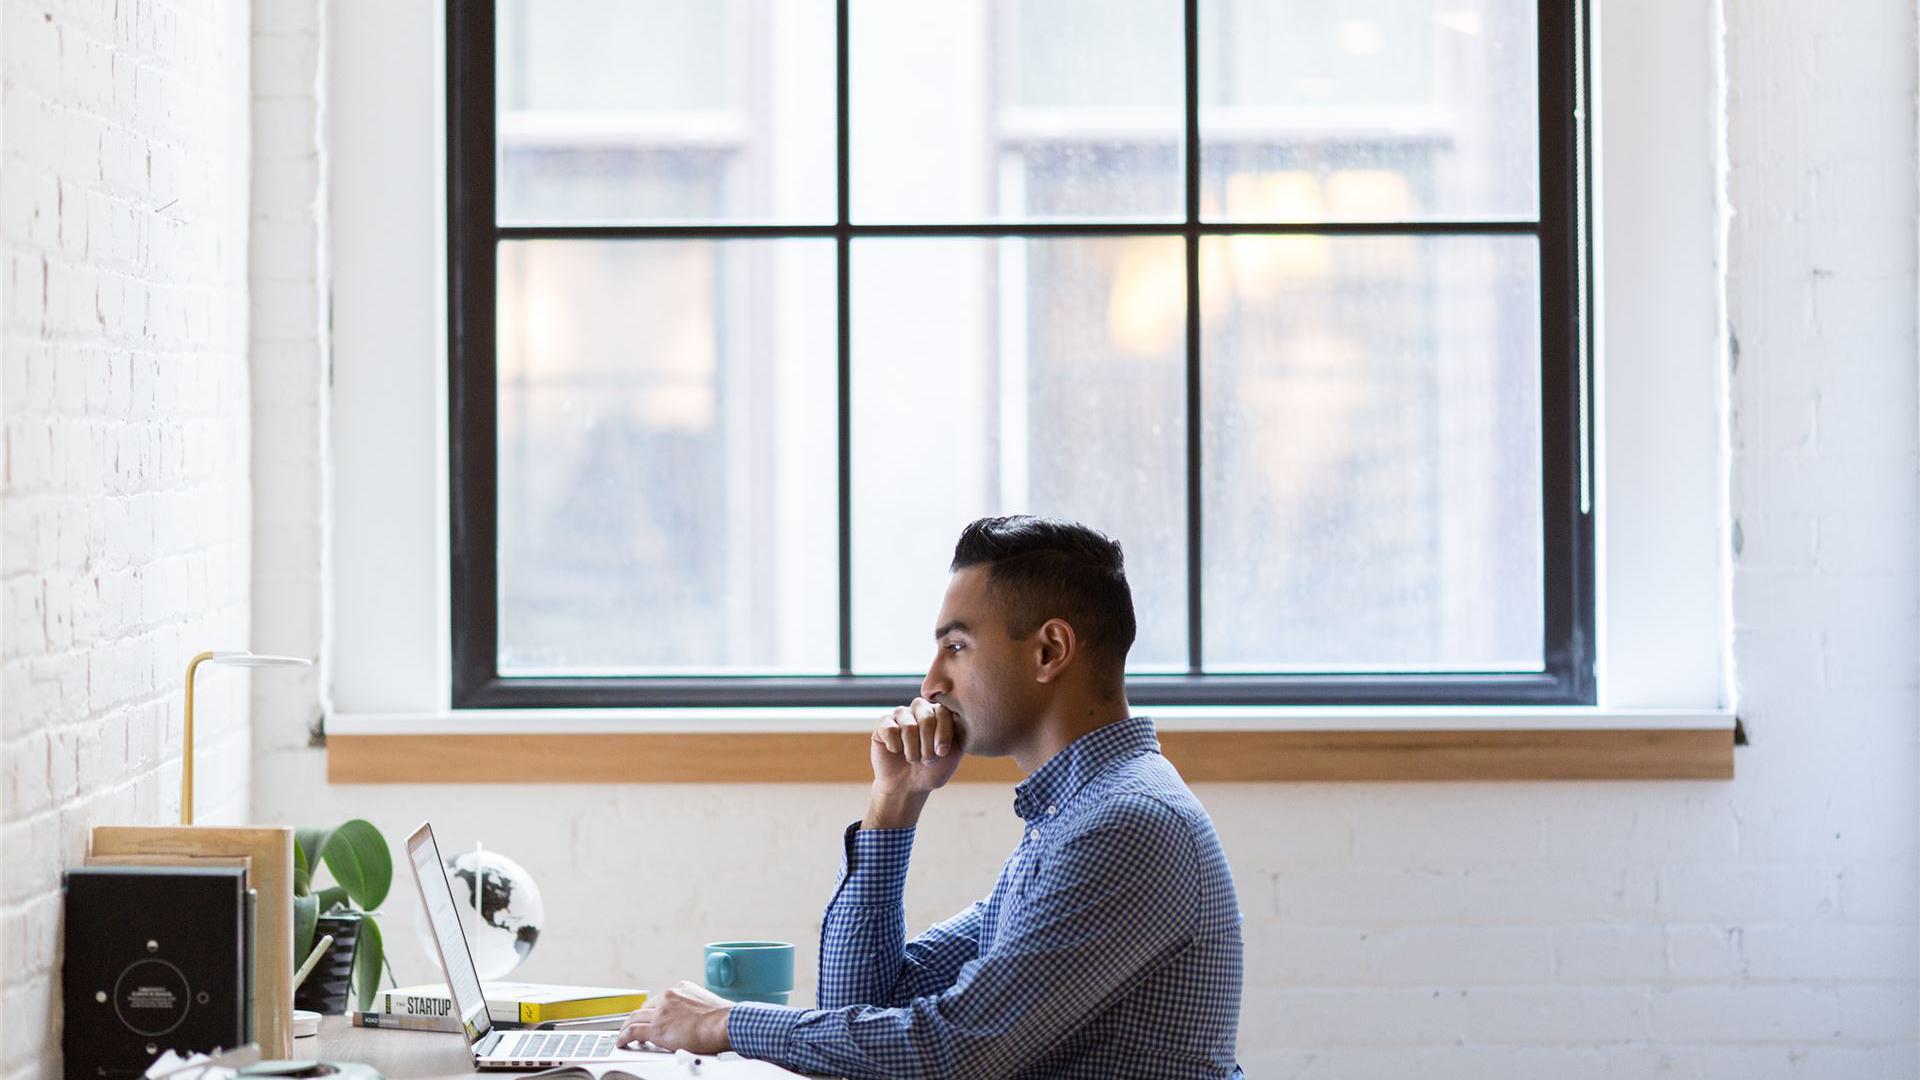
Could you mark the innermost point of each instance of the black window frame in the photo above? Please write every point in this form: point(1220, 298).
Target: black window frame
point(473, 236)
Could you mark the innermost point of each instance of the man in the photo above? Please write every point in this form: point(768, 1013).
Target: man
point(1110, 946)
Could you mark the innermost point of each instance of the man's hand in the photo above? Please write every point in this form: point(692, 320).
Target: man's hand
point(915, 750)
point(688, 1017)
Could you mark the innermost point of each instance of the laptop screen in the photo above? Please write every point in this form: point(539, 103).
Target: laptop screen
point(450, 939)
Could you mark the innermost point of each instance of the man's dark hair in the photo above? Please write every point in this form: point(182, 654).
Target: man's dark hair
point(1045, 568)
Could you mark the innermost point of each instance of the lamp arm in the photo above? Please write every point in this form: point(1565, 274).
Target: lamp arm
point(186, 760)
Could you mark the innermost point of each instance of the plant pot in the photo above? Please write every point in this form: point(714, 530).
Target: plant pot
point(329, 987)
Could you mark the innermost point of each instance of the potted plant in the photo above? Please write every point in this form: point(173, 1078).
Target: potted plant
point(356, 856)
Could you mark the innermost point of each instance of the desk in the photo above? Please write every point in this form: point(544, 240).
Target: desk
point(398, 1055)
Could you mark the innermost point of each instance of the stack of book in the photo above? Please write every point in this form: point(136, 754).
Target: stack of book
point(429, 1007)
point(265, 854)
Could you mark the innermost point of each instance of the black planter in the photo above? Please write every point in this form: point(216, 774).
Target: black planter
point(329, 987)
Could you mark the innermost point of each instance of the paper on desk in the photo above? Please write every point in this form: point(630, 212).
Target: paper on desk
point(727, 1066)
point(168, 1061)
point(192, 1067)
point(197, 1066)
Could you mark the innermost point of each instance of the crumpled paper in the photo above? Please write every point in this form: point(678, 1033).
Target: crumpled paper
point(197, 1066)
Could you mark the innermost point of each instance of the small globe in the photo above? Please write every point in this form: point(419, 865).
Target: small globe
point(500, 909)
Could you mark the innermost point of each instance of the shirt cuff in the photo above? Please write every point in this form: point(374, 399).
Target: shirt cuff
point(759, 1030)
point(873, 866)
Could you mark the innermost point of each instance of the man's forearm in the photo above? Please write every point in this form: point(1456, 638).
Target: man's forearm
point(863, 933)
point(893, 810)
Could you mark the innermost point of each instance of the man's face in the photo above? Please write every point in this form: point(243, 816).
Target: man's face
point(979, 672)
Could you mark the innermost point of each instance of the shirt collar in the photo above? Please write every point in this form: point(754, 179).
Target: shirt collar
point(1086, 757)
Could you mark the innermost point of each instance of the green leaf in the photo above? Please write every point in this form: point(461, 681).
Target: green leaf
point(302, 874)
point(309, 844)
point(368, 957)
point(306, 914)
point(357, 855)
point(332, 898)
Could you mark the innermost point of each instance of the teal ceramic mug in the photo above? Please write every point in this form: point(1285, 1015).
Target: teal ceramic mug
point(751, 970)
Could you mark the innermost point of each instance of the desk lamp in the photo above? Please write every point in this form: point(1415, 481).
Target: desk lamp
point(231, 659)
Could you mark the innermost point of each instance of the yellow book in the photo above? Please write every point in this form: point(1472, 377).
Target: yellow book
point(516, 1002)
point(570, 1007)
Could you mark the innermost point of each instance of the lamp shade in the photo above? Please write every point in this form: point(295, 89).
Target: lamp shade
point(250, 659)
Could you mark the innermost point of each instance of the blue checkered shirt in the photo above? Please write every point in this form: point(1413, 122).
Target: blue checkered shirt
point(1109, 948)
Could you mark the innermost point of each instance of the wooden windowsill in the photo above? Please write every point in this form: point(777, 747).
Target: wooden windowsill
point(1563, 751)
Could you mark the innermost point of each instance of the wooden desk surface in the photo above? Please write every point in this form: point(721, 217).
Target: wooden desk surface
point(397, 1054)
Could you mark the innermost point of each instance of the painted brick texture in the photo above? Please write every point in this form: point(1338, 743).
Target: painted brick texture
point(289, 344)
point(124, 403)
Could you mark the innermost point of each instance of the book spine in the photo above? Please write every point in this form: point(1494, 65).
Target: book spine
point(404, 1023)
point(433, 1006)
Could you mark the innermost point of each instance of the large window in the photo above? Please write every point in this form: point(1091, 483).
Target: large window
point(755, 303)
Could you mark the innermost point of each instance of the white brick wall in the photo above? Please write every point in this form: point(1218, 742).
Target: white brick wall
point(1767, 926)
point(290, 345)
point(123, 394)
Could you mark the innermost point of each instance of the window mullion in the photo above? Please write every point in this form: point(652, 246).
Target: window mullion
point(843, 252)
point(1194, 549)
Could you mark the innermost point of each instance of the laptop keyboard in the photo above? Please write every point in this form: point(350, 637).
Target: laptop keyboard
point(548, 1045)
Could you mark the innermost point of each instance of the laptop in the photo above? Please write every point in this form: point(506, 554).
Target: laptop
point(493, 1048)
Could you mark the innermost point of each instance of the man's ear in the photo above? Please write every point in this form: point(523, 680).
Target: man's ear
point(1056, 647)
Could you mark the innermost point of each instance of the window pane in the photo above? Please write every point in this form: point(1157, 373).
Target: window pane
point(961, 107)
point(667, 449)
point(1003, 376)
point(1371, 453)
point(631, 111)
point(1368, 110)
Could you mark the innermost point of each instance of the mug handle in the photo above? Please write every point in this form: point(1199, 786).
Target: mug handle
point(719, 970)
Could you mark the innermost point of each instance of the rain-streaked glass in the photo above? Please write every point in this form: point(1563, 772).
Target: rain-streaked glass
point(1006, 376)
point(648, 111)
point(1368, 110)
point(667, 449)
point(965, 110)
point(1371, 466)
